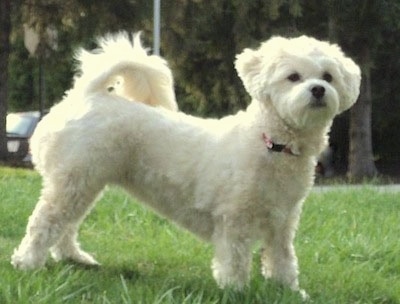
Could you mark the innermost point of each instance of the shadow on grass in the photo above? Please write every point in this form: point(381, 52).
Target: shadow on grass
point(136, 286)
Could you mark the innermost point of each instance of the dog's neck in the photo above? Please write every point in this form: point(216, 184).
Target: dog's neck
point(274, 131)
point(275, 147)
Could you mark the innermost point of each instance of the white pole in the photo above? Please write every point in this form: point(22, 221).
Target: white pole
point(156, 19)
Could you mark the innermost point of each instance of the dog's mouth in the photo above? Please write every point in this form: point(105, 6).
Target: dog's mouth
point(317, 103)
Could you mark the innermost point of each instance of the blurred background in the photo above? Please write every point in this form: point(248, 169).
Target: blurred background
point(200, 39)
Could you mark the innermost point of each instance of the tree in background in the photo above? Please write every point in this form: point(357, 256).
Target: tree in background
point(385, 89)
point(362, 40)
point(202, 38)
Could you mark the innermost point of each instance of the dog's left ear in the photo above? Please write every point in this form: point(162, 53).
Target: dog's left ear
point(351, 82)
point(248, 65)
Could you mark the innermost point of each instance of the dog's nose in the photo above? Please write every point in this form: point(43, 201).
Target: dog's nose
point(318, 92)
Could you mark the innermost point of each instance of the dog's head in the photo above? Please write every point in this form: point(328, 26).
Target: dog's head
point(306, 80)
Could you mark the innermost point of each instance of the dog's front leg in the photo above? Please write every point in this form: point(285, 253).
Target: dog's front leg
point(232, 258)
point(278, 258)
point(279, 262)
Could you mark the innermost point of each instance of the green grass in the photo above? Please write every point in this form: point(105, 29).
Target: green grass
point(348, 248)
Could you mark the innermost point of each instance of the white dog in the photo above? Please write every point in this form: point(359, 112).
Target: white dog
point(232, 181)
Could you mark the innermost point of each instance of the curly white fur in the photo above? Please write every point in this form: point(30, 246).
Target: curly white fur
point(122, 67)
point(214, 177)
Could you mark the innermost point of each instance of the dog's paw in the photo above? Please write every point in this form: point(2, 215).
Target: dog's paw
point(227, 278)
point(85, 258)
point(76, 255)
point(304, 295)
point(27, 260)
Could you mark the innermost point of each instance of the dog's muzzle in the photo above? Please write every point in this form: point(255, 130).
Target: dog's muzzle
point(317, 99)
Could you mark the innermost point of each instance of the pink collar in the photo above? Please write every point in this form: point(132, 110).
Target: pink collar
point(273, 147)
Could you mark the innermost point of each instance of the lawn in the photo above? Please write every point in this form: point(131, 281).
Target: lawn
point(347, 244)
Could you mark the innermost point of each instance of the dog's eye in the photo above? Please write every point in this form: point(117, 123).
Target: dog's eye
point(327, 77)
point(294, 77)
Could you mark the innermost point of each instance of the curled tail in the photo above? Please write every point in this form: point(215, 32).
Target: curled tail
point(124, 68)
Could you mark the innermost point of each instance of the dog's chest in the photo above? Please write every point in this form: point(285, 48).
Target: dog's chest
point(282, 179)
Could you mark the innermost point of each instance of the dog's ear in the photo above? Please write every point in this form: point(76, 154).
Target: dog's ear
point(351, 82)
point(248, 65)
point(255, 67)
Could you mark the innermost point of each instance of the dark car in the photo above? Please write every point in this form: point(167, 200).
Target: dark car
point(20, 127)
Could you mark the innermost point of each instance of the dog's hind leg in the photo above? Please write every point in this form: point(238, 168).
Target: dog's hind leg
point(232, 260)
point(68, 248)
point(62, 205)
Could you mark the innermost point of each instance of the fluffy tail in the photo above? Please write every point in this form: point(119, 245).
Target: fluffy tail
point(123, 67)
